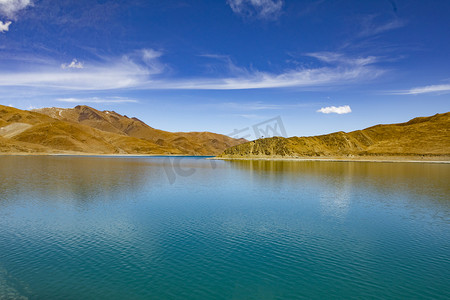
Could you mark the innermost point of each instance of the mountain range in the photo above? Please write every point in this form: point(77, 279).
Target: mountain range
point(422, 137)
point(84, 129)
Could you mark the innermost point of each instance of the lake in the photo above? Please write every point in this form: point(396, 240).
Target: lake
point(191, 228)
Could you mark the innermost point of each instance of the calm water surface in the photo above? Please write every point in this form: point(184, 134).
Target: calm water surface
point(189, 228)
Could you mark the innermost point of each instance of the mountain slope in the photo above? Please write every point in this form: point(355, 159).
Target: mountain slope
point(85, 130)
point(192, 143)
point(25, 131)
point(424, 136)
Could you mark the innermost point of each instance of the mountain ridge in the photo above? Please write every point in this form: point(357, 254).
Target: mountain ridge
point(418, 137)
point(84, 129)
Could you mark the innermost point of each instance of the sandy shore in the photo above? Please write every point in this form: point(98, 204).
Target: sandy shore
point(430, 159)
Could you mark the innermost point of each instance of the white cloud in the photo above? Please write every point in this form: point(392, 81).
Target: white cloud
point(9, 8)
point(112, 73)
point(439, 88)
point(345, 109)
point(97, 100)
point(4, 26)
point(150, 58)
point(263, 9)
point(75, 64)
point(149, 55)
point(142, 72)
point(303, 78)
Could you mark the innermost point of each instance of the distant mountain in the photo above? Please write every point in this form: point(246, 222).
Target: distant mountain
point(420, 137)
point(86, 130)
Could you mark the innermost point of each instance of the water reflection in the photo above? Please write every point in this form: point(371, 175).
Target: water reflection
point(81, 180)
point(116, 228)
point(426, 179)
point(77, 179)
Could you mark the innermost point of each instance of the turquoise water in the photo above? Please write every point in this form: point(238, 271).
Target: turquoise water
point(189, 228)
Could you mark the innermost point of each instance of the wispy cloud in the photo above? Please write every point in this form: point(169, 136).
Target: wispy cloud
point(149, 55)
point(342, 70)
point(438, 88)
point(261, 9)
point(371, 26)
point(227, 64)
point(4, 26)
point(252, 106)
point(345, 109)
point(150, 58)
point(75, 64)
point(335, 57)
point(143, 70)
point(112, 73)
point(249, 116)
point(9, 8)
point(115, 100)
point(303, 78)
point(256, 106)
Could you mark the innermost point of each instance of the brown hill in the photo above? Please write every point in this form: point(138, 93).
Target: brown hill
point(424, 136)
point(86, 130)
point(192, 143)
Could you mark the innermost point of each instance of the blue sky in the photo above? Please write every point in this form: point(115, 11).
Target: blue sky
point(323, 66)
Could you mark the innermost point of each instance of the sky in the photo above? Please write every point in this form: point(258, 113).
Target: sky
point(225, 65)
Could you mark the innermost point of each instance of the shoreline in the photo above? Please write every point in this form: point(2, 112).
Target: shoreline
point(102, 155)
point(396, 159)
point(386, 159)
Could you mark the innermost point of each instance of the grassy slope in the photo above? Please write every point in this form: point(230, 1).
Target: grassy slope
point(428, 136)
point(86, 130)
point(194, 143)
point(49, 135)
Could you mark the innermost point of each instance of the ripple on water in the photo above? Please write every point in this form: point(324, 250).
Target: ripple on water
point(116, 229)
